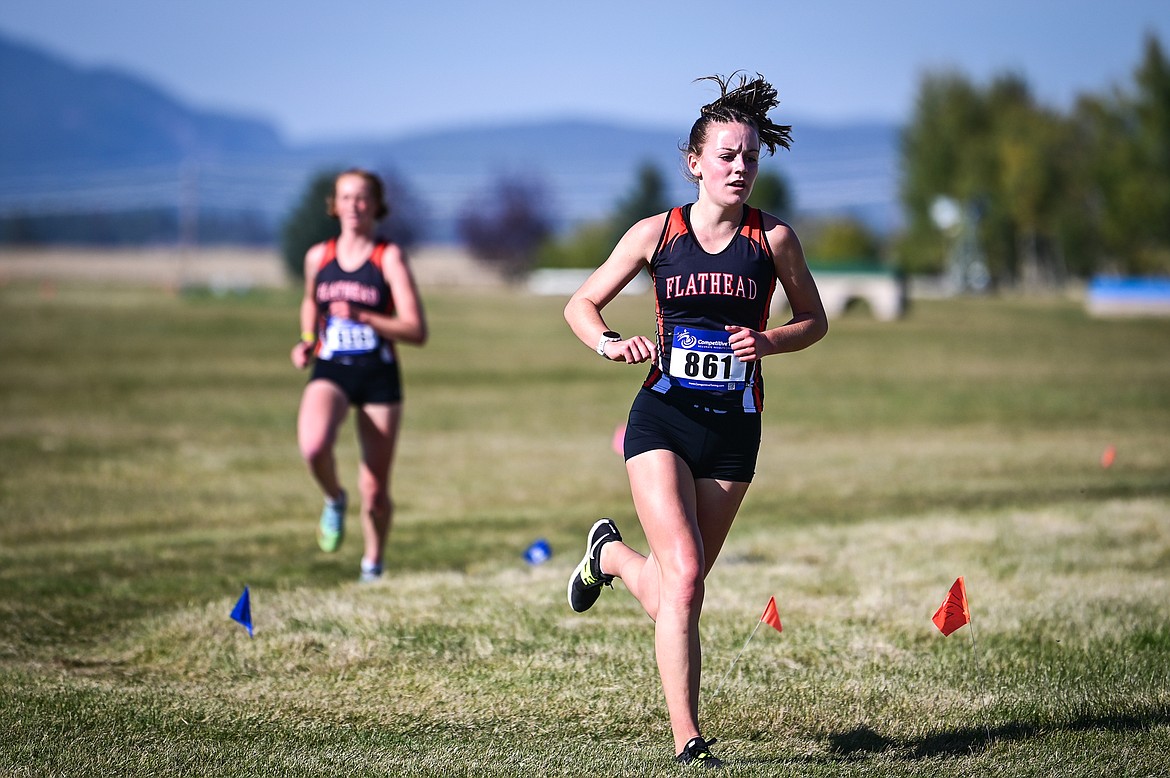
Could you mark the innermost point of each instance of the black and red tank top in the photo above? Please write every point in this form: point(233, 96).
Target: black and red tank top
point(344, 340)
point(696, 294)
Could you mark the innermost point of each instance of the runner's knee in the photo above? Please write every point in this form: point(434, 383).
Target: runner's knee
point(682, 584)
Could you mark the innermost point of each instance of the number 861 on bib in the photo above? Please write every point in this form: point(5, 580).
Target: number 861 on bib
point(702, 359)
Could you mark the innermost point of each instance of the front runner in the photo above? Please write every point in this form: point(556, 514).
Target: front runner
point(694, 428)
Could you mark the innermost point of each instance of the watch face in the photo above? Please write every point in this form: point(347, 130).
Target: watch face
point(611, 334)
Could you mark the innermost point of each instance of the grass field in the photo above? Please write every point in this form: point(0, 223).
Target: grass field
point(149, 471)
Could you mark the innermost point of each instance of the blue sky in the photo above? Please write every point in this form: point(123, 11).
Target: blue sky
point(376, 68)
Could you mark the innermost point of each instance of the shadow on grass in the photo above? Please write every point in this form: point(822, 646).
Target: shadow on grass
point(862, 742)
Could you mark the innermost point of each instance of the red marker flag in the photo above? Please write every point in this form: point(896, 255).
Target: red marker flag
point(953, 613)
point(1108, 456)
point(771, 617)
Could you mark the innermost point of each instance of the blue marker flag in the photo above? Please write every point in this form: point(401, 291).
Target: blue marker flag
point(243, 611)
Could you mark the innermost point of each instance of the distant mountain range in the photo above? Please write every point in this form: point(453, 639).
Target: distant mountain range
point(75, 139)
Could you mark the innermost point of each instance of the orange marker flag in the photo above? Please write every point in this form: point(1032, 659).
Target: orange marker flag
point(771, 617)
point(1108, 456)
point(953, 613)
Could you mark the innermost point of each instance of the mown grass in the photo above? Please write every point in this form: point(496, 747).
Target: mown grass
point(148, 471)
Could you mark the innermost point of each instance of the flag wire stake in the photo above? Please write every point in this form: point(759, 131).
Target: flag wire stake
point(979, 673)
point(737, 656)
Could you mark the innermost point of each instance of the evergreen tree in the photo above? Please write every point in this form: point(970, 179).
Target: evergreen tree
point(308, 223)
point(647, 198)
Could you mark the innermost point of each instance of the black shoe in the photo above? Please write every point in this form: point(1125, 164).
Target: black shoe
point(698, 754)
point(587, 580)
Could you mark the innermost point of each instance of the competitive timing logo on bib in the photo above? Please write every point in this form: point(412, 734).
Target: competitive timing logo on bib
point(706, 340)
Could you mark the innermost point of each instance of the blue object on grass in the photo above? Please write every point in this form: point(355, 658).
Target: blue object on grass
point(538, 552)
point(243, 611)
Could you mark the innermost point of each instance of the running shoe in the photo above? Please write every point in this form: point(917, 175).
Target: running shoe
point(331, 528)
point(370, 572)
point(587, 580)
point(697, 753)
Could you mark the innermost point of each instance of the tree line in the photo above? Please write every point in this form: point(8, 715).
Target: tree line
point(1034, 194)
point(1008, 190)
point(1012, 192)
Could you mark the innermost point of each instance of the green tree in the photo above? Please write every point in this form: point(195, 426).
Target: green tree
point(586, 246)
point(947, 129)
point(1001, 157)
point(771, 193)
point(1031, 146)
point(308, 223)
point(1052, 192)
point(589, 244)
point(841, 239)
point(646, 198)
point(1152, 108)
point(1125, 147)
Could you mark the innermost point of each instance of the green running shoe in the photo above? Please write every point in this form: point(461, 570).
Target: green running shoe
point(331, 528)
point(587, 580)
point(698, 754)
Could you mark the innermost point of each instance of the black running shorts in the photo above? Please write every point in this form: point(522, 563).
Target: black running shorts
point(713, 444)
point(370, 383)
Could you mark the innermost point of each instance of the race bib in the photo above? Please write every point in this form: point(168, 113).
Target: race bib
point(702, 359)
point(345, 337)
